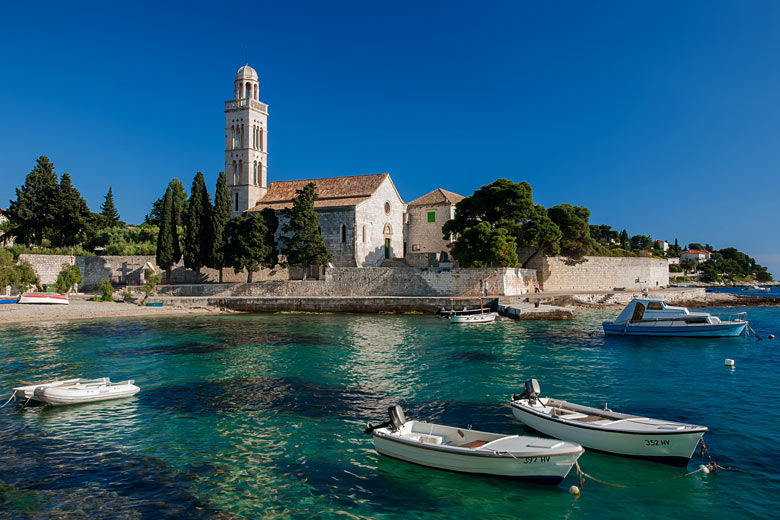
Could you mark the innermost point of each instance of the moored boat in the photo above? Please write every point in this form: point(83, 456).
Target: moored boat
point(649, 317)
point(755, 289)
point(61, 299)
point(470, 451)
point(74, 391)
point(607, 431)
point(475, 317)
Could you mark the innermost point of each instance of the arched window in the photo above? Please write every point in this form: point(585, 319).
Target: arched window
point(241, 137)
point(236, 201)
point(255, 172)
point(364, 234)
point(343, 233)
point(240, 171)
point(232, 136)
point(260, 139)
point(235, 174)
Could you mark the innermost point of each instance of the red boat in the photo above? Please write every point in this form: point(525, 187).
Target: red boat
point(43, 298)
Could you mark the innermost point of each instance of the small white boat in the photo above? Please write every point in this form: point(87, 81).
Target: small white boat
point(755, 289)
point(476, 317)
point(61, 299)
point(470, 451)
point(604, 430)
point(648, 317)
point(74, 391)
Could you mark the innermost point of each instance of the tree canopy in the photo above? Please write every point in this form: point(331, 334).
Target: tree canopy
point(32, 214)
point(168, 251)
point(304, 245)
point(108, 211)
point(573, 222)
point(483, 246)
point(252, 244)
point(179, 204)
point(220, 218)
point(198, 235)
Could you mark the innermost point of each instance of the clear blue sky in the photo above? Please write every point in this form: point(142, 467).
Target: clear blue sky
point(660, 117)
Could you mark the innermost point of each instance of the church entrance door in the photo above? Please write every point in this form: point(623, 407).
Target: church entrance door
point(387, 248)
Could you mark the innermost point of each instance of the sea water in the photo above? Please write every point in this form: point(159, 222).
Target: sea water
point(249, 416)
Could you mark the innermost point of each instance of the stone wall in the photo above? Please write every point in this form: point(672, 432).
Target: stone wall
point(424, 236)
point(601, 273)
point(128, 270)
point(378, 281)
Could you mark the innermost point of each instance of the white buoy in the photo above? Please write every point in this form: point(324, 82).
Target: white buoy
point(704, 469)
point(729, 362)
point(574, 490)
point(771, 336)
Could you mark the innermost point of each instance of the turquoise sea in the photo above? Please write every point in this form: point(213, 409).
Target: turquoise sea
point(250, 416)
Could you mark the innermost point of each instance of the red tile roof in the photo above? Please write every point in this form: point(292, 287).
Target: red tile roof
point(331, 191)
point(437, 196)
point(696, 252)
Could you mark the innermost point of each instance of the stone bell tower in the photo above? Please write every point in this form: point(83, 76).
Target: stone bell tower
point(246, 134)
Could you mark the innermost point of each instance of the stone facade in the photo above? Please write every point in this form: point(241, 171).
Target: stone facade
point(379, 226)
point(378, 281)
point(48, 267)
point(601, 273)
point(424, 220)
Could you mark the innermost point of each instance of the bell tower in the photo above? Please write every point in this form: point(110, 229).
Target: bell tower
point(246, 136)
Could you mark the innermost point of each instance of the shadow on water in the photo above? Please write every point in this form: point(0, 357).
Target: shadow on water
point(183, 347)
point(54, 474)
point(472, 355)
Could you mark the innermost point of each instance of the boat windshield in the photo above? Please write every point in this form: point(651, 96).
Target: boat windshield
point(639, 311)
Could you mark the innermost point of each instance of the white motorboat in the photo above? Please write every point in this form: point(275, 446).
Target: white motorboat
point(74, 391)
point(755, 289)
point(60, 299)
point(471, 451)
point(648, 317)
point(604, 430)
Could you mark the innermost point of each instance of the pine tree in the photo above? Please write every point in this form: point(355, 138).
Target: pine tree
point(197, 239)
point(179, 204)
point(108, 211)
point(624, 241)
point(220, 218)
point(168, 252)
point(251, 242)
point(31, 215)
point(305, 247)
point(72, 214)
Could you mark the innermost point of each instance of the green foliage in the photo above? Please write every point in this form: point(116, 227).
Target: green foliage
point(127, 297)
point(674, 250)
point(69, 276)
point(152, 281)
point(641, 243)
point(21, 249)
point(197, 238)
point(674, 268)
point(575, 230)
point(688, 265)
point(179, 205)
point(26, 277)
point(108, 212)
point(72, 215)
point(220, 218)
point(483, 246)
point(540, 232)
point(709, 272)
point(31, 215)
point(252, 244)
point(168, 251)
point(106, 290)
point(131, 240)
point(305, 245)
point(604, 235)
point(502, 203)
point(625, 243)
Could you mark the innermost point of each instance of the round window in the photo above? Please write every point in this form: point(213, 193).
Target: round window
point(387, 208)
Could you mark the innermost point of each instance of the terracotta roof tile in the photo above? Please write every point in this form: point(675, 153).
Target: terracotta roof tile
point(437, 196)
point(696, 252)
point(331, 191)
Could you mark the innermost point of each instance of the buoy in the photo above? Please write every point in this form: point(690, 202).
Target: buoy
point(729, 362)
point(771, 336)
point(574, 490)
point(704, 469)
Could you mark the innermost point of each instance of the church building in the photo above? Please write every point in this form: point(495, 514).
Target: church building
point(362, 217)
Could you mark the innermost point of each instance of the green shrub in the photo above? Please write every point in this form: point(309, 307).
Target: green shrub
point(68, 277)
point(106, 290)
point(152, 280)
point(127, 297)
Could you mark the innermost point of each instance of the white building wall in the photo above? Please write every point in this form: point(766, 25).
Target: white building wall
point(371, 221)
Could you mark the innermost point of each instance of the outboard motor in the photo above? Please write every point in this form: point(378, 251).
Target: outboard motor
point(531, 391)
point(397, 417)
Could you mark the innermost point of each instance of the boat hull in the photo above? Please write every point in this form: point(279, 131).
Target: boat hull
point(694, 331)
point(474, 318)
point(675, 448)
point(58, 299)
point(59, 396)
point(548, 469)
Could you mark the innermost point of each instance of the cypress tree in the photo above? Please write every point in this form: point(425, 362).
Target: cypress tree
point(625, 243)
point(251, 244)
point(109, 212)
point(31, 215)
point(168, 252)
point(220, 218)
point(305, 247)
point(197, 240)
point(71, 213)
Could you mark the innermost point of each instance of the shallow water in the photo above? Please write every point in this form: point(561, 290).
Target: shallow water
point(261, 415)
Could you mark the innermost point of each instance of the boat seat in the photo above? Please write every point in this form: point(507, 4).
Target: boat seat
point(589, 418)
point(473, 444)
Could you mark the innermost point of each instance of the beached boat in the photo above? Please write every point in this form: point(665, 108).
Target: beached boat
point(755, 289)
point(470, 451)
point(647, 317)
point(604, 430)
point(43, 298)
point(74, 391)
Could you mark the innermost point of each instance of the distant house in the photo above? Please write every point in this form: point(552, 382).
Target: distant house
point(663, 245)
point(697, 255)
point(673, 261)
point(361, 216)
point(426, 245)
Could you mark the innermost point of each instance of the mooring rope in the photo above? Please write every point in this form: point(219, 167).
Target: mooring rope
point(9, 399)
point(583, 475)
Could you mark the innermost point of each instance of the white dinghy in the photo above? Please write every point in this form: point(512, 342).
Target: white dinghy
point(604, 430)
point(470, 451)
point(24, 393)
point(80, 391)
